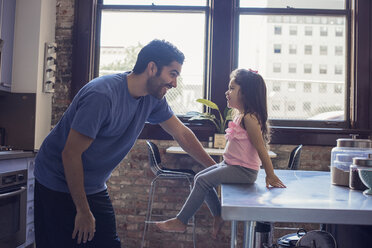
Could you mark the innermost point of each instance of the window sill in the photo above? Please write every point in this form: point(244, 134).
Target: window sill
point(279, 135)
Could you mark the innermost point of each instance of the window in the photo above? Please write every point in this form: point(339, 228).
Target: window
point(292, 86)
point(118, 50)
point(306, 106)
point(292, 30)
point(322, 88)
point(323, 50)
point(292, 49)
point(277, 67)
point(275, 106)
point(292, 68)
point(322, 69)
point(338, 88)
point(277, 48)
point(341, 17)
point(291, 106)
point(338, 69)
point(278, 30)
point(339, 50)
point(323, 31)
point(339, 31)
point(307, 87)
point(308, 31)
point(307, 68)
point(308, 49)
point(276, 86)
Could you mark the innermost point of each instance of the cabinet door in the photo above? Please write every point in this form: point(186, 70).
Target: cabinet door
point(7, 17)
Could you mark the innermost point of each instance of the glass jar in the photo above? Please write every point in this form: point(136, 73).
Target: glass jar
point(355, 182)
point(342, 157)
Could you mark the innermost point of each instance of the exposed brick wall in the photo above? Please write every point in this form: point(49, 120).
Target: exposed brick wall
point(64, 31)
point(130, 182)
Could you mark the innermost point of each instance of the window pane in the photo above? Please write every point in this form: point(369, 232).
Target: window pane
point(305, 4)
point(307, 74)
point(119, 49)
point(157, 2)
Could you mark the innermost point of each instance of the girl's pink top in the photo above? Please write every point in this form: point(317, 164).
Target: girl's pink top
point(239, 150)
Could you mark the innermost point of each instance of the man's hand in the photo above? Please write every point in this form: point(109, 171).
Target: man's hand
point(85, 226)
point(274, 181)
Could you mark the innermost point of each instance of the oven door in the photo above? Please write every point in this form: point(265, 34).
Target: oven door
point(13, 217)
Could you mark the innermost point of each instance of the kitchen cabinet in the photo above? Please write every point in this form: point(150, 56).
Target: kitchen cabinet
point(7, 18)
point(34, 26)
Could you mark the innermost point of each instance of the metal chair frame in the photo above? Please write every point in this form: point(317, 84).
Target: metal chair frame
point(162, 173)
point(294, 158)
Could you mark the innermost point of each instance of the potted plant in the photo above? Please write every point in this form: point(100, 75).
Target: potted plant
point(220, 123)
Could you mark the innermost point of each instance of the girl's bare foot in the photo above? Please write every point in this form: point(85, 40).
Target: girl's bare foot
point(171, 225)
point(217, 225)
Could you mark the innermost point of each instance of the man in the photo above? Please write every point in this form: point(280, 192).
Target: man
point(95, 133)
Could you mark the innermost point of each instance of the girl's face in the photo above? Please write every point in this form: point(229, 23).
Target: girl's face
point(233, 96)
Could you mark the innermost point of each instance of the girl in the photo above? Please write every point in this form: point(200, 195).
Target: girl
point(247, 136)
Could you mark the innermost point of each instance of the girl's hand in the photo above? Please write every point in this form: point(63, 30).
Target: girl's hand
point(274, 181)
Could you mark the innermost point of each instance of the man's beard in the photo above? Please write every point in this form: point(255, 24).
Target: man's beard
point(154, 87)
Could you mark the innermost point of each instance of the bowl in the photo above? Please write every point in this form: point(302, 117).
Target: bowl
point(365, 175)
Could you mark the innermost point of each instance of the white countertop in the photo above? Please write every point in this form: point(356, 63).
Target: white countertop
point(309, 197)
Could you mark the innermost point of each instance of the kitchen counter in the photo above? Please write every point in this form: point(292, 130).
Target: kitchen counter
point(309, 198)
point(16, 154)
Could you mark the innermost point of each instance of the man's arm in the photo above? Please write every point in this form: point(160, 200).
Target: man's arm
point(187, 140)
point(75, 145)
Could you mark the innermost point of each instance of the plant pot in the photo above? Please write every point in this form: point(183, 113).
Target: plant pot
point(219, 140)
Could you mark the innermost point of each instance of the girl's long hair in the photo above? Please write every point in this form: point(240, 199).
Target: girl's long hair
point(254, 97)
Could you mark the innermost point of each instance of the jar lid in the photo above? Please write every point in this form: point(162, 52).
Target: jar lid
point(358, 143)
point(363, 161)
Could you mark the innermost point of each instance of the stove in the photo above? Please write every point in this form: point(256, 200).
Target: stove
point(6, 148)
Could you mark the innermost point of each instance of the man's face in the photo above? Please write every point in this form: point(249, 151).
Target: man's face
point(158, 86)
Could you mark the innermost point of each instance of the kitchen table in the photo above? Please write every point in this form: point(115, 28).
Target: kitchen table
point(309, 198)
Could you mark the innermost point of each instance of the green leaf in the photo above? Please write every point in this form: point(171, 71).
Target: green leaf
point(208, 103)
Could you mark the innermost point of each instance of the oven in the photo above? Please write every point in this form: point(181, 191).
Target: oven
point(13, 201)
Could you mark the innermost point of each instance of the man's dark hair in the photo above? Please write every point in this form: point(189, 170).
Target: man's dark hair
point(161, 52)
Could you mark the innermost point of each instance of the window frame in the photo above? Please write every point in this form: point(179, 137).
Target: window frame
point(306, 13)
point(222, 43)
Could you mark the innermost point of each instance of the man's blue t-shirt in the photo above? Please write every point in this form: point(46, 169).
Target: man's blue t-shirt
point(105, 111)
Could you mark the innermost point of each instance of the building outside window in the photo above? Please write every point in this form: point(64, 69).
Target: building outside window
point(307, 68)
point(291, 106)
point(292, 86)
point(323, 31)
point(338, 69)
point(322, 69)
point(339, 31)
point(292, 49)
point(292, 68)
point(306, 106)
point(277, 48)
point(278, 30)
point(308, 49)
point(337, 88)
point(292, 30)
point(308, 31)
point(276, 86)
point(323, 50)
point(307, 87)
point(322, 88)
point(339, 51)
point(277, 67)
